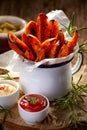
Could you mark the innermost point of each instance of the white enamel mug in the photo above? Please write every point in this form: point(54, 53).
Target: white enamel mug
point(50, 80)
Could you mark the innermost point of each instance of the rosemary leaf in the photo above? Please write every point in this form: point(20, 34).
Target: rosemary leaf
point(81, 108)
point(74, 119)
point(79, 80)
point(5, 74)
point(4, 71)
point(79, 29)
point(6, 111)
point(81, 97)
point(83, 47)
point(5, 116)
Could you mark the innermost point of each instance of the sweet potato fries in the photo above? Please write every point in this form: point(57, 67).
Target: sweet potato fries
point(42, 39)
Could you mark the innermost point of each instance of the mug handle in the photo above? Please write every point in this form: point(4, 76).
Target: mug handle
point(78, 63)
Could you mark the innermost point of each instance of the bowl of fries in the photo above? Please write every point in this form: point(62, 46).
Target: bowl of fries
point(44, 40)
point(10, 23)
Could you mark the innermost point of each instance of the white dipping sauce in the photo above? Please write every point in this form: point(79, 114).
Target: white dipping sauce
point(6, 89)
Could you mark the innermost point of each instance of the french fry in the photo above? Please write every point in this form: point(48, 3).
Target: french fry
point(13, 39)
point(60, 36)
point(29, 55)
point(52, 52)
point(26, 39)
point(64, 51)
point(72, 43)
point(53, 49)
point(32, 42)
point(31, 28)
point(42, 25)
point(16, 49)
point(54, 28)
point(35, 43)
point(47, 44)
point(40, 55)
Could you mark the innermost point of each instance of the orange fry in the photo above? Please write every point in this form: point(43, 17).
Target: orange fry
point(16, 49)
point(72, 43)
point(29, 55)
point(53, 50)
point(40, 55)
point(54, 28)
point(26, 39)
point(35, 43)
point(13, 39)
point(47, 44)
point(64, 51)
point(61, 37)
point(42, 25)
point(31, 28)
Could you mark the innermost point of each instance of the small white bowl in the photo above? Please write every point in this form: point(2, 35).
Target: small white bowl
point(11, 99)
point(33, 117)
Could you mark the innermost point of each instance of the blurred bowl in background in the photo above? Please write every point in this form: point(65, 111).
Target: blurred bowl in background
point(10, 23)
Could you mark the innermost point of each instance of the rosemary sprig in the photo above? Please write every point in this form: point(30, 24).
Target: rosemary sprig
point(32, 100)
point(73, 100)
point(83, 47)
point(4, 71)
point(71, 27)
point(6, 111)
point(74, 118)
point(6, 75)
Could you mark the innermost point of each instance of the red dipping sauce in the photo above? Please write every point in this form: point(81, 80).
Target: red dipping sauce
point(33, 102)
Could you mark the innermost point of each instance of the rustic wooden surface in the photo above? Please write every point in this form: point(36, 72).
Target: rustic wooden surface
point(29, 9)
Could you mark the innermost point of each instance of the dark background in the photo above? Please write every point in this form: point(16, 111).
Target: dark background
point(29, 9)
